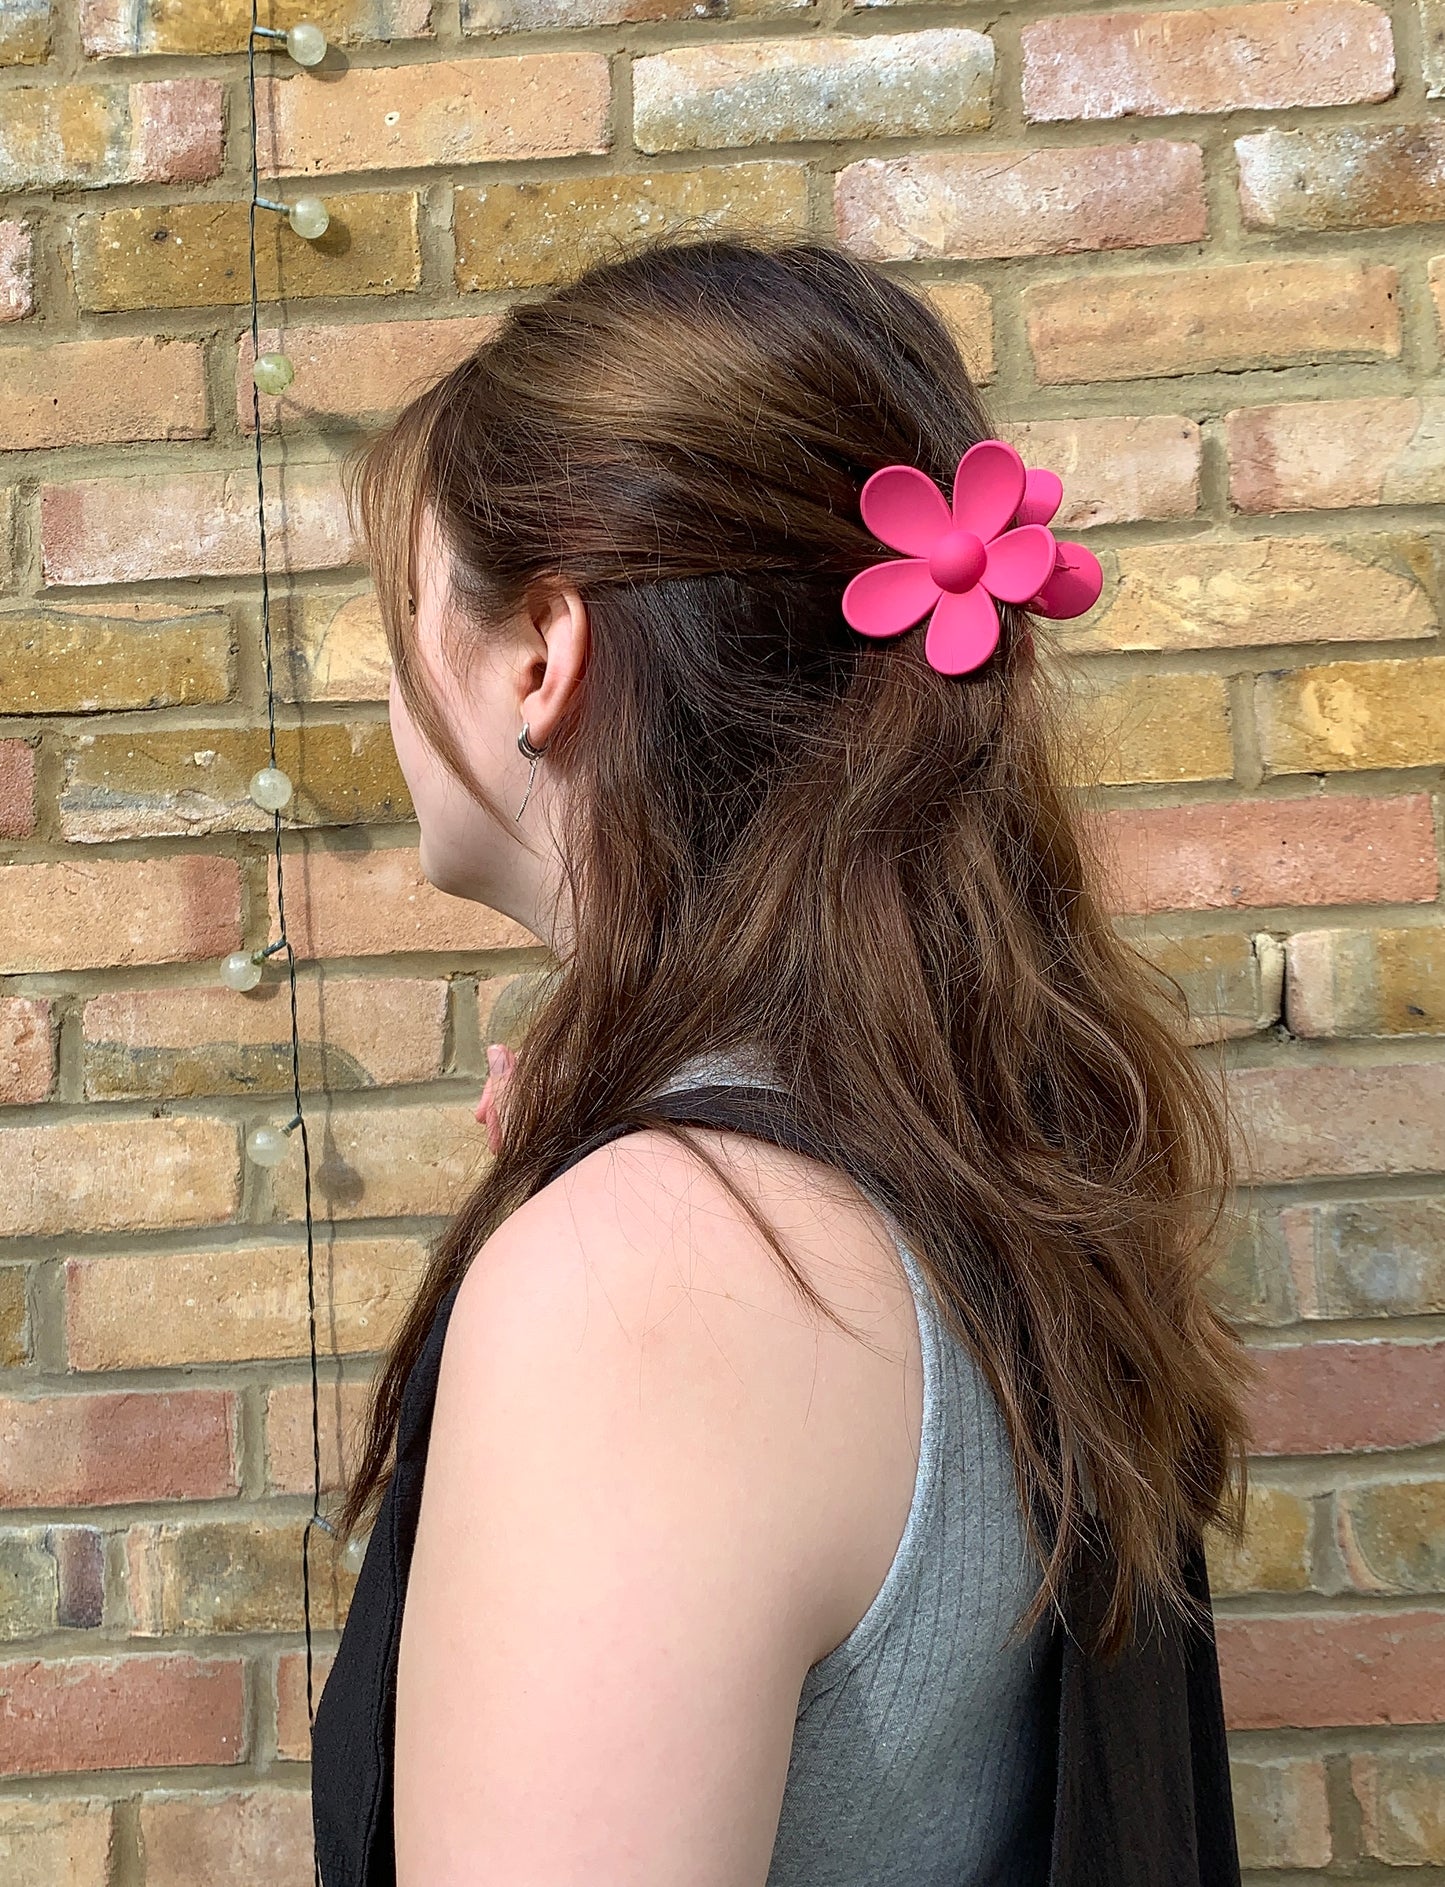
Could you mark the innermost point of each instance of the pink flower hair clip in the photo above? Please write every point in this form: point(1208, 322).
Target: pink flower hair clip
point(993, 546)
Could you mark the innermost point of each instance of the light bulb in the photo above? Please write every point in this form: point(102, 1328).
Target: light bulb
point(266, 1145)
point(354, 1552)
point(270, 789)
point(308, 217)
point(306, 43)
point(241, 970)
point(273, 373)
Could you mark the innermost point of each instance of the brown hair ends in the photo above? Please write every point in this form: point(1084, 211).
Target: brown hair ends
point(788, 837)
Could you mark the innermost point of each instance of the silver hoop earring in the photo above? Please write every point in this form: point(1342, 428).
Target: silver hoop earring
point(534, 754)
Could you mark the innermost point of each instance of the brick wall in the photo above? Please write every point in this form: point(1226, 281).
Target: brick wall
point(1196, 254)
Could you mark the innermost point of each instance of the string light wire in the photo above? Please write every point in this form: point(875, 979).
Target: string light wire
point(283, 943)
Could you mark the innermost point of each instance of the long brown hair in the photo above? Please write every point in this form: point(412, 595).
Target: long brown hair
point(787, 837)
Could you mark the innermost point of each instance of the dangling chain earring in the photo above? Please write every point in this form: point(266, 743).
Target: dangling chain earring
point(534, 754)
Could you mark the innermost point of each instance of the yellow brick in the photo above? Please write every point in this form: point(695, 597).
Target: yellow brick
point(967, 310)
point(229, 1575)
point(159, 131)
point(1230, 981)
point(25, 33)
point(185, 255)
point(1275, 1554)
point(1367, 982)
point(1346, 717)
point(525, 235)
point(330, 647)
point(73, 657)
point(1146, 728)
point(80, 393)
point(385, 1162)
point(112, 29)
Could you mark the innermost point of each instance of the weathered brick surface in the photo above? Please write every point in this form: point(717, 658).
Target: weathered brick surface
point(1275, 1554)
point(101, 393)
point(290, 1467)
point(193, 254)
point(457, 111)
point(1272, 852)
point(1282, 1811)
point(1188, 321)
point(25, 33)
point(188, 1577)
point(99, 1450)
point(1392, 1535)
point(1367, 1258)
point(355, 1033)
point(1154, 727)
point(14, 1317)
point(778, 91)
point(195, 780)
point(1366, 982)
point(967, 312)
point(1204, 593)
point(1332, 1668)
point(1333, 1398)
point(118, 28)
point(227, 1839)
point(1349, 717)
point(1265, 56)
point(1318, 455)
point(235, 1304)
point(53, 1577)
point(17, 789)
point(351, 372)
point(330, 647)
point(65, 1842)
point(293, 1730)
point(17, 266)
point(1117, 470)
point(105, 912)
point(1230, 981)
point(358, 904)
point(525, 235)
point(386, 1162)
point(998, 203)
point(128, 530)
point(1325, 1121)
point(160, 131)
point(1347, 177)
point(108, 1175)
point(1400, 1793)
point(27, 1048)
point(159, 1710)
point(75, 656)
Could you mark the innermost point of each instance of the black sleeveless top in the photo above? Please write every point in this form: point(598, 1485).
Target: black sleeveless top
point(1141, 1794)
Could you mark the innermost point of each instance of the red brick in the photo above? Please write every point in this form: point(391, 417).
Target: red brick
point(354, 371)
point(1437, 289)
point(118, 29)
point(85, 393)
point(27, 1049)
point(1266, 56)
point(239, 1303)
point(356, 904)
point(59, 1843)
point(108, 913)
point(74, 1714)
point(17, 789)
point(1271, 852)
point(440, 112)
point(1320, 454)
point(293, 1728)
point(1347, 177)
point(1229, 319)
point(106, 1175)
point(929, 83)
point(290, 1462)
point(195, 524)
point(1012, 203)
point(15, 1347)
point(228, 1840)
point(1117, 470)
point(1332, 1669)
point(160, 131)
point(1343, 1398)
point(17, 271)
point(106, 1450)
point(1320, 1121)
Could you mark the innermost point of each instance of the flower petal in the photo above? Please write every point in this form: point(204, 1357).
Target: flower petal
point(1019, 563)
point(887, 598)
point(1043, 494)
point(988, 488)
point(904, 509)
point(962, 631)
point(1075, 585)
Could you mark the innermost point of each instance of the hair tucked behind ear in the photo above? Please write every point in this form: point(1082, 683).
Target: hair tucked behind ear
point(788, 836)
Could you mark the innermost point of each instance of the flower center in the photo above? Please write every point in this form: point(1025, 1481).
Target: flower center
point(958, 561)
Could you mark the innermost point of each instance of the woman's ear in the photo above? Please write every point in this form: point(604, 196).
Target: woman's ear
point(559, 620)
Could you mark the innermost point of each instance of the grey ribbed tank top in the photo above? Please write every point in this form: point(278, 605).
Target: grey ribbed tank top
point(921, 1754)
